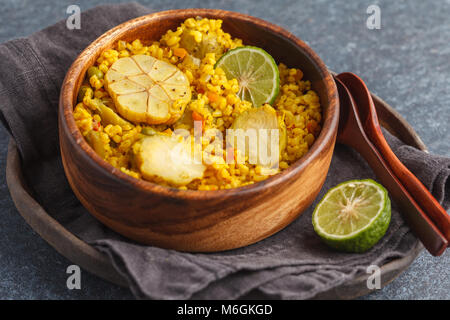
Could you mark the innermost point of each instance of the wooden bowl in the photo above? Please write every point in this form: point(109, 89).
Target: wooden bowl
point(189, 220)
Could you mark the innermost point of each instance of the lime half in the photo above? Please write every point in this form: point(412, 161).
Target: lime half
point(256, 72)
point(353, 216)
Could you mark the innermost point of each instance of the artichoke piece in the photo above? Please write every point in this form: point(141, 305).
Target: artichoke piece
point(185, 121)
point(145, 89)
point(192, 61)
point(208, 44)
point(148, 131)
point(110, 117)
point(95, 141)
point(253, 139)
point(168, 158)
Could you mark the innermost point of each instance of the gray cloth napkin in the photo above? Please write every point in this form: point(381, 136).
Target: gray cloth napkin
point(293, 264)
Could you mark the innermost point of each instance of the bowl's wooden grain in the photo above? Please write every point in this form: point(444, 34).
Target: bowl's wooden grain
point(198, 220)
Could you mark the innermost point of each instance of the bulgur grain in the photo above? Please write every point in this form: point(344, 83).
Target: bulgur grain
point(214, 99)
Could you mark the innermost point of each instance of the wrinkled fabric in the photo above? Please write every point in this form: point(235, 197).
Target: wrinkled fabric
point(292, 264)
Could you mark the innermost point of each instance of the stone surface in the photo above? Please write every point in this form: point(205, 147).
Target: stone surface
point(406, 63)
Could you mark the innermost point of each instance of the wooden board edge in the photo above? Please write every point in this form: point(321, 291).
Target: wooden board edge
point(90, 259)
point(67, 244)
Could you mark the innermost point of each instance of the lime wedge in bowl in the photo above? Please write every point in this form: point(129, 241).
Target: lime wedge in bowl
point(353, 216)
point(256, 72)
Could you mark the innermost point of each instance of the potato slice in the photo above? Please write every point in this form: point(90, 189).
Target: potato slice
point(168, 158)
point(145, 89)
point(256, 144)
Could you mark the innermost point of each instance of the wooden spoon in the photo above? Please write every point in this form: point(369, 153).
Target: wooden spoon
point(371, 125)
point(351, 133)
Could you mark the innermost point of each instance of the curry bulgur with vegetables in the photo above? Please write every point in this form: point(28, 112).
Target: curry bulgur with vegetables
point(138, 96)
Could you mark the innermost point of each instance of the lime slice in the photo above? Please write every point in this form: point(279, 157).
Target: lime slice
point(353, 216)
point(256, 72)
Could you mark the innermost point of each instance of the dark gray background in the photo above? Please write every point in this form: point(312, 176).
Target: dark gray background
point(406, 62)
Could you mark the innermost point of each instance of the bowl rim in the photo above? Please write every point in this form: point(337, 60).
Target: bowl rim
point(67, 121)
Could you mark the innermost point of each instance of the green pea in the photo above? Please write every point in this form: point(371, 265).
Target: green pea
point(94, 71)
point(82, 93)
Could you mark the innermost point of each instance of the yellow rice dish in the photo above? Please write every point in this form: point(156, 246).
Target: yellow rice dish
point(138, 94)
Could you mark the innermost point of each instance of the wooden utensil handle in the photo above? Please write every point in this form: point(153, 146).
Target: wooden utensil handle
point(431, 237)
point(421, 195)
point(355, 137)
point(372, 128)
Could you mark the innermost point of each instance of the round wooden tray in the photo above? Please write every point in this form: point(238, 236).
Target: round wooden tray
point(87, 257)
